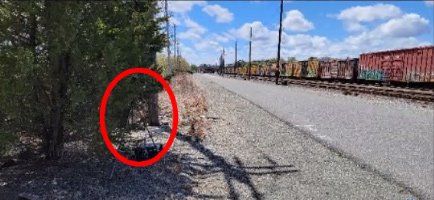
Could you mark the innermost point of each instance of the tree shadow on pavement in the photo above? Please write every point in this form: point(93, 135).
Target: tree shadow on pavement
point(235, 172)
point(81, 176)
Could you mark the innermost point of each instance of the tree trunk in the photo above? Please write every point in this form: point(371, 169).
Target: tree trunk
point(153, 110)
point(153, 100)
point(55, 128)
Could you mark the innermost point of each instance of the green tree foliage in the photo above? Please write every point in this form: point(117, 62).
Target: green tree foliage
point(193, 67)
point(56, 58)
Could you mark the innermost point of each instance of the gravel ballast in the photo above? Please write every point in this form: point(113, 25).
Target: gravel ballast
point(393, 137)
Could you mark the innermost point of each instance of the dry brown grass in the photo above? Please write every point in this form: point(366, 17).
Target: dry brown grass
point(192, 105)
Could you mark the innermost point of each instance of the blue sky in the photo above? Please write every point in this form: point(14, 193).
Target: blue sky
point(320, 28)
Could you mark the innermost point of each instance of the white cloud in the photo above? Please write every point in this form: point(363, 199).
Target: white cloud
point(369, 13)
point(260, 32)
point(195, 26)
point(207, 44)
point(429, 3)
point(306, 41)
point(355, 27)
point(265, 41)
point(207, 49)
point(183, 7)
point(204, 51)
point(225, 37)
point(365, 42)
point(354, 16)
point(194, 30)
point(223, 15)
point(396, 30)
point(399, 32)
point(388, 29)
point(295, 21)
point(174, 20)
point(408, 25)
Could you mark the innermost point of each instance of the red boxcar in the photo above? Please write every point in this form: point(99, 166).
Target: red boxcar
point(347, 69)
point(403, 65)
point(328, 69)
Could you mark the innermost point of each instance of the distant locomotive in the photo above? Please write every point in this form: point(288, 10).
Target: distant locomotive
point(415, 65)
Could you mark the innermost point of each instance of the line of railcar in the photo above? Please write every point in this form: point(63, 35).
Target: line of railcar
point(402, 66)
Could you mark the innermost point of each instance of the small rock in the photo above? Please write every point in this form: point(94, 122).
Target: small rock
point(179, 194)
point(3, 184)
point(29, 173)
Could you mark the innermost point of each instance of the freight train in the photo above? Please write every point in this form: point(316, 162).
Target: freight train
point(408, 66)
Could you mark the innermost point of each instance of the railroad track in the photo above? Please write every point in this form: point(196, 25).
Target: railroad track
point(353, 88)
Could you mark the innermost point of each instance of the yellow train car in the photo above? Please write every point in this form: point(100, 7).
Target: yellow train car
point(273, 68)
point(261, 69)
point(243, 70)
point(313, 69)
point(293, 69)
point(258, 69)
point(270, 69)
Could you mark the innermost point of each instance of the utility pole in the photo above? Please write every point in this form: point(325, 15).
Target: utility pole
point(250, 53)
point(278, 45)
point(166, 13)
point(235, 63)
point(174, 43)
point(222, 62)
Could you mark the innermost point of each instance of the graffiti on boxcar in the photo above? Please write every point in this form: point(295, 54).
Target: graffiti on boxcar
point(254, 69)
point(393, 70)
point(297, 71)
point(414, 76)
point(290, 70)
point(285, 70)
point(375, 74)
point(293, 69)
point(261, 70)
point(312, 68)
point(334, 69)
point(397, 74)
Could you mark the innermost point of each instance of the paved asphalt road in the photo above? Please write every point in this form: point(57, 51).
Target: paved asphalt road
point(391, 136)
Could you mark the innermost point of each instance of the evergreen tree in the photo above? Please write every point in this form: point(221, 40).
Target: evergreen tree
point(56, 59)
